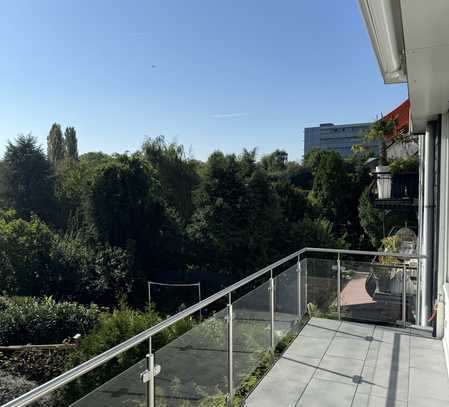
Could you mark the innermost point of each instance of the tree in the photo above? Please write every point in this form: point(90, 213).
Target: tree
point(237, 215)
point(55, 144)
point(379, 130)
point(176, 173)
point(28, 179)
point(318, 233)
point(299, 175)
point(330, 186)
point(125, 210)
point(219, 224)
point(70, 144)
point(275, 162)
point(371, 220)
point(123, 204)
point(25, 251)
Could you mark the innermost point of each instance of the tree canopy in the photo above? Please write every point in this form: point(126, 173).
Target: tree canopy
point(55, 144)
point(28, 179)
point(100, 226)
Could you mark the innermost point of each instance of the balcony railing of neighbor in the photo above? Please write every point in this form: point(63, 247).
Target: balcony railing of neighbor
point(213, 363)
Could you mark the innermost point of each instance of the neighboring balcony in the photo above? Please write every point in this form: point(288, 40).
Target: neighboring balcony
point(395, 190)
point(284, 336)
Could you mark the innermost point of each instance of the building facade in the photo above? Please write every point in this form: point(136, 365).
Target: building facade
point(410, 40)
point(340, 138)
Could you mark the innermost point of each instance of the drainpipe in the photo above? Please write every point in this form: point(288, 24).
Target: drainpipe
point(427, 225)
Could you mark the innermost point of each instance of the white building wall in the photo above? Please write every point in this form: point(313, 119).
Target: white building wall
point(443, 249)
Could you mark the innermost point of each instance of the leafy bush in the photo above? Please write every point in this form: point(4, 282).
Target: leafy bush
point(406, 164)
point(28, 320)
point(112, 329)
point(38, 366)
point(14, 386)
point(25, 255)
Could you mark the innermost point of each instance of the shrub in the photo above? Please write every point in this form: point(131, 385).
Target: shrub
point(14, 386)
point(28, 320)
point(406, 164)
point(39, 366)
point(112, 329)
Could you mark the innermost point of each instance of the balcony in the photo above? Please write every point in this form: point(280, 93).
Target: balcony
point(395, 191)
point(340, 363)
point(320, 327)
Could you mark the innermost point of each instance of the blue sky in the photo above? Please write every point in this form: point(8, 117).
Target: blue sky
point(228, 74)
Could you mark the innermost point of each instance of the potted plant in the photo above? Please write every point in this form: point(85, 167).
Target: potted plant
point(378, 131)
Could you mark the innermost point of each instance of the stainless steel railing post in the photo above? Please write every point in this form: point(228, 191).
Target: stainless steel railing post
point(339, 287)
point(230, 396)
point(271, 289)
point(404, 296)
point(147, 377)
point(298, 268)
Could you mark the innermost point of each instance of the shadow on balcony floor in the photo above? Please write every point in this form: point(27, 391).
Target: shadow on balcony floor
point(348, 364)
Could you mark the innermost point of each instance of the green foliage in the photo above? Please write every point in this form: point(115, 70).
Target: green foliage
point(312, 159)
point(125, 210)
point(116, 327)
point(38, 366)
point(237, 216)
point(275, 162)
point(122, 206)
point(406, 164)
point(55, 144)
point(318, 233)
point(28, 179)
point(70, 144)
point(175, 172)
point(73, 183)
point(299, 176)
point(12, 386)
point(112, 329)
point(102, 272)
point(27, 320)
point(330, 182)
point(380, 130)
point(371, 219)
point(26, 256)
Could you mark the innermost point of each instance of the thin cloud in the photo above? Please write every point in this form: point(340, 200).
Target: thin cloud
point(226, 115)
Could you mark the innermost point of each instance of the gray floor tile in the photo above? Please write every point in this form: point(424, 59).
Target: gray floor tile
point(366, 400)
point(348, 348)
point(300, 369)
point(386, 383)
point(396, 337)
point(426, 402)
point(315, 331)
point(417, 342)
point(388, 355)
point(325, 323)
point(378, 333)
point(321, 366)
point(322, 393)
point(428, 360)
point(340, 370)
point(423, 384)
point(308, 347)
point(353, 330)
point(283, 384)
point(418, 331)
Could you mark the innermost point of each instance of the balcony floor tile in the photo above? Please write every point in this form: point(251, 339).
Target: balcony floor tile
point(343, 364)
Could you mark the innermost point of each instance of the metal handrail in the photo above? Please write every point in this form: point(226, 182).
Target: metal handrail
point(78, 371)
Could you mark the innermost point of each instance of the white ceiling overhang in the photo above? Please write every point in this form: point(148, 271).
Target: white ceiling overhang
point(412, 37)
point(426, 39)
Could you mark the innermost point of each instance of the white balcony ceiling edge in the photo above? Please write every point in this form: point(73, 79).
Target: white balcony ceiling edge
point(423, 50)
